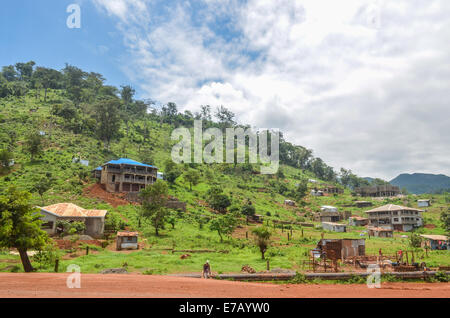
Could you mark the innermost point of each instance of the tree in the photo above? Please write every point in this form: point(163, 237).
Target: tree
point(415, 240)
point(217, 199)
point(192, 176)
point(171, 172)
point(224, 224)
point(34, 145)
point(106, 113)
point(43, 185)
point(262, 239)
point(445, 219)
point(20, 225)
point(301, 189)
point(48, 78)
point(126, 93)
point(9, 73)
point(172, 218)
point(73, 79)
point(154, 199)
point(25, 70)
point(5, 160)
point(225, 117)
point(248, 210)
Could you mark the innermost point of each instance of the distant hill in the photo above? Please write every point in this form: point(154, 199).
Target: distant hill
point(422, 182)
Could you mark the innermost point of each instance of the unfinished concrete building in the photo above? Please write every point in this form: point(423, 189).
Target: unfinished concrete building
point(386, 190)
point(332, 189)
point(395, 217)
point(126, 175)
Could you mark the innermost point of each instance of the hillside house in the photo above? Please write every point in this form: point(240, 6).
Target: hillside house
point(357, 221)
point(93, 219)
point(126, 175)
point(395, 217)
point(380, 232)
point(386, 190)
point(423, 203)
point(435, 242)
point(342, 248)
point(335, 227)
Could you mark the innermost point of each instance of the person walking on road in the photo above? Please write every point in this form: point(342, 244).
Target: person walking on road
point(206, 273)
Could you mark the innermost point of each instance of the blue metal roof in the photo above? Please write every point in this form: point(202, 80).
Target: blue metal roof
point(127, 161)
point(98, 168)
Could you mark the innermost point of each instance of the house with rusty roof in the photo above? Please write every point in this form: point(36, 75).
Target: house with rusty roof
point(395, 217)
point(126, 175)
point(93, 219)
point(435, 242)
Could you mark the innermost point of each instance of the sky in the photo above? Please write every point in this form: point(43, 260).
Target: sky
point(363, 83)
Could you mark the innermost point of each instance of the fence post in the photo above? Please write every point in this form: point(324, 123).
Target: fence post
point(56, 265)
point(246, 235)
point(87, 250)
point(268, 265)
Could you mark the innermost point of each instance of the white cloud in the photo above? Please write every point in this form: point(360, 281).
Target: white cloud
point(363, 83)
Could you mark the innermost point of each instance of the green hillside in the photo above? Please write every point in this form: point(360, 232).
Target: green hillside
point(51, 118)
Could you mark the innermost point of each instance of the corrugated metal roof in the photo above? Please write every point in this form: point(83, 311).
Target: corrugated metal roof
point(127, 161)
point(127, 233)
point(435, 237)
point(379, 229)
point(392, 207)
point(72, 210)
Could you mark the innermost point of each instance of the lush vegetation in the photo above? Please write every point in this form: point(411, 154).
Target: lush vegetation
point(50, 120)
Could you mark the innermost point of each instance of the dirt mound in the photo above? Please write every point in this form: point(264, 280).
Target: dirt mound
point(429, 226)
point(248, 269)
point(67, 244)
point(96, 191)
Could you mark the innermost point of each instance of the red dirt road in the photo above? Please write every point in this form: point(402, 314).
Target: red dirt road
point(131, 285)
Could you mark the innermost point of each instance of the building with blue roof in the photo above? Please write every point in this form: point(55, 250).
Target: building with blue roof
point(126, 175)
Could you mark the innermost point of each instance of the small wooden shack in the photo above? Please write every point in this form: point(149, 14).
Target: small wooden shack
point(127, 240)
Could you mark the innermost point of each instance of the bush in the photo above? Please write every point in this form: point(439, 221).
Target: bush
point(441, 277)
point(299, 278)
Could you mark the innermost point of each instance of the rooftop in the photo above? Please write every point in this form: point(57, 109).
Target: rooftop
point(127, 233)
point(126, 161)
point(379, 229)
point(392, 207)
point(435, 237)
point(333, 223)
point(72, 210)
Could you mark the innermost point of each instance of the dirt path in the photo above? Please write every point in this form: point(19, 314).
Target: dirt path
point(99, 285)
